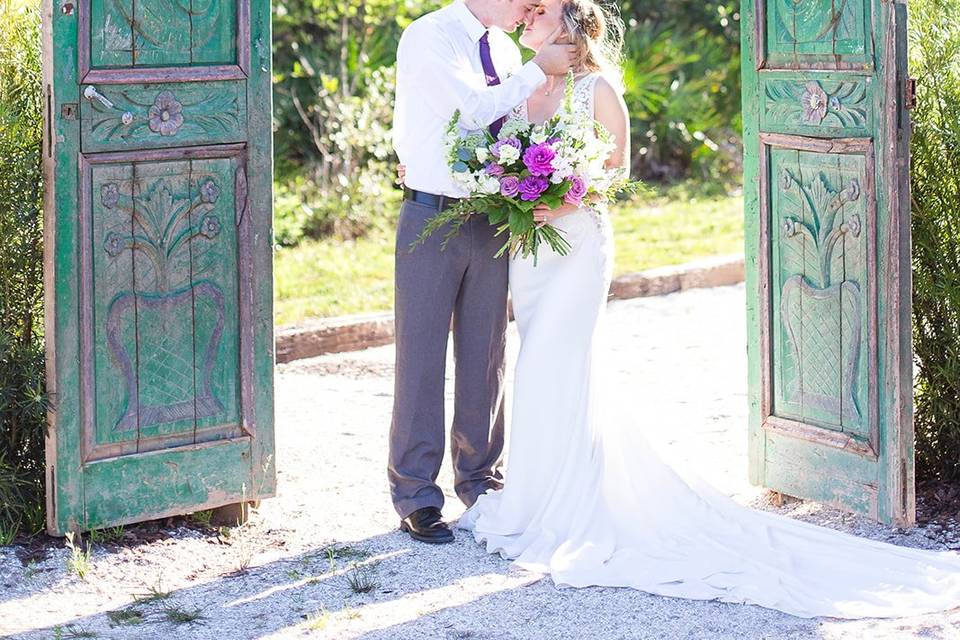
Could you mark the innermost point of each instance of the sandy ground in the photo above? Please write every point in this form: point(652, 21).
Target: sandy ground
point(295, 570)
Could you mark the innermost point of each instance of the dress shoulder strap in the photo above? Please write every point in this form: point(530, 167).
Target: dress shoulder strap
point(583, 94)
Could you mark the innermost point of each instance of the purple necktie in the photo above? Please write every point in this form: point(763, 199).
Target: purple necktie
point(492, 78)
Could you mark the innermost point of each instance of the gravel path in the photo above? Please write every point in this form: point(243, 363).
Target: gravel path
point(291, 572)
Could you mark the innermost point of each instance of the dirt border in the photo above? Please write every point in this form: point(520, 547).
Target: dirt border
point(352, 333)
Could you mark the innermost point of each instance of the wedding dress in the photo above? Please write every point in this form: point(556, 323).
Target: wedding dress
point(589, 501)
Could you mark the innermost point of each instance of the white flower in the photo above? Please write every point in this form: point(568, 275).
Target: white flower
point(601, 181)
point(489, 185)
point(562, 167)
point(538, 136)
point(483, 154)
point(475, 140)
point(466, 180)
point(508, 155)
point(513, 127)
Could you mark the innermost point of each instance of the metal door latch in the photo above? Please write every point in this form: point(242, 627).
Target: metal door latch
point(91, 94)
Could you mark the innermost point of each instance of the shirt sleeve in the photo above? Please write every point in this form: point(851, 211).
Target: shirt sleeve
point(429, 61)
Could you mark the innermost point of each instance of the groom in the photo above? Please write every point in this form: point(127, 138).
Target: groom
point(456, 58)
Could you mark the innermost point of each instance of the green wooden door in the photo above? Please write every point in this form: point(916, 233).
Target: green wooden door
point(158, 258)
point(826, 139)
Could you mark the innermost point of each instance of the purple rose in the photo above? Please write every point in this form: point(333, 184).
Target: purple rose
point(532, 187)
point(508, 142)
point(509, 186)
point(578, 189)
point(494, 169)
point(539, 159)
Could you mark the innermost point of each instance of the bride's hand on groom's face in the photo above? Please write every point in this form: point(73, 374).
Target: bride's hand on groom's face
point(555, 57)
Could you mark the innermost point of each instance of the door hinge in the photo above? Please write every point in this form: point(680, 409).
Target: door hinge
point(910, 93)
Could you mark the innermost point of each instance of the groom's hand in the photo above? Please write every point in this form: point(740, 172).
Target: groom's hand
point(555, 58)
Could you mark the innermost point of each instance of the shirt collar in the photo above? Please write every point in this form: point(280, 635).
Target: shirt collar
point(474, 27)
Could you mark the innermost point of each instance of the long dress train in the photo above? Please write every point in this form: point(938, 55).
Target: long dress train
point(590, 502)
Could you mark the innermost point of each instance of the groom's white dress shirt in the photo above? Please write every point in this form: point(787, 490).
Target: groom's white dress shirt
point(438, 72)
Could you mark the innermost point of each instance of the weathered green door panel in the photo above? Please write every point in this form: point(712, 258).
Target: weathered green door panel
point(832, 34)
point(163, 115)
point(168, 482)
point(836, 105)
point(129, 33)
point(156, 41)
point(853, 479)
point(818, 208)
point(164, 326)
point(160, 338)
point(827, 252)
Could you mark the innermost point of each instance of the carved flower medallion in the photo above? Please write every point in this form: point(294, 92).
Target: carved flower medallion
point(166, 114)
point(814, 100)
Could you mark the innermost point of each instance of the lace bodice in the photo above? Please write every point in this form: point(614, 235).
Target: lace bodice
point(584, 90)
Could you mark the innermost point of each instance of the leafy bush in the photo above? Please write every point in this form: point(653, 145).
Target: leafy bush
point(682, 73)
point(333, 93)
point(333, 62)
point(935, 183)
point(22, 401)
point(346, 189)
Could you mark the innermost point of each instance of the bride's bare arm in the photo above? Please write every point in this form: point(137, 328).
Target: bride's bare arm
point(611, 111)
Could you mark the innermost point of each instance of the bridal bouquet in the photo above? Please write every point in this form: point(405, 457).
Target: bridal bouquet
point(559, 161)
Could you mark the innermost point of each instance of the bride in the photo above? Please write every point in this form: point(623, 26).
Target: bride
point(586, 499)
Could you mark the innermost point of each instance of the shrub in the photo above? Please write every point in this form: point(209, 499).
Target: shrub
point(682, 67)
point(22, 401)
point(347, 188)
point(935, 184)
point(333, 93)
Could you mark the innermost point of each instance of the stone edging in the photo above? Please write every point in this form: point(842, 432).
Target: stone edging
point(352, 333)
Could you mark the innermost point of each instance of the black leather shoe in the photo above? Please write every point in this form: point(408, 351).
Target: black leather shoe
point(427, 525)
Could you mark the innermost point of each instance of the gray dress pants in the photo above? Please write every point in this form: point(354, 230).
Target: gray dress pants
point(466, 283)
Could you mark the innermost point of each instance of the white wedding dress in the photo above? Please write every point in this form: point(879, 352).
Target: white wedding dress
point(588, 500)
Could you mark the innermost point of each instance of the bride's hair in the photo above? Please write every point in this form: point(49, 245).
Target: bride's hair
point(597, 33)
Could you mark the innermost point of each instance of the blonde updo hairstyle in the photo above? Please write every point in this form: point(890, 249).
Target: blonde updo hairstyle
point(598, 35)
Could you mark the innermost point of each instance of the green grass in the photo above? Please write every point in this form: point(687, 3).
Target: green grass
point(177, 615)
point(333, 277)
point(669, 232)
point(127, 616)
point(329, 277)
